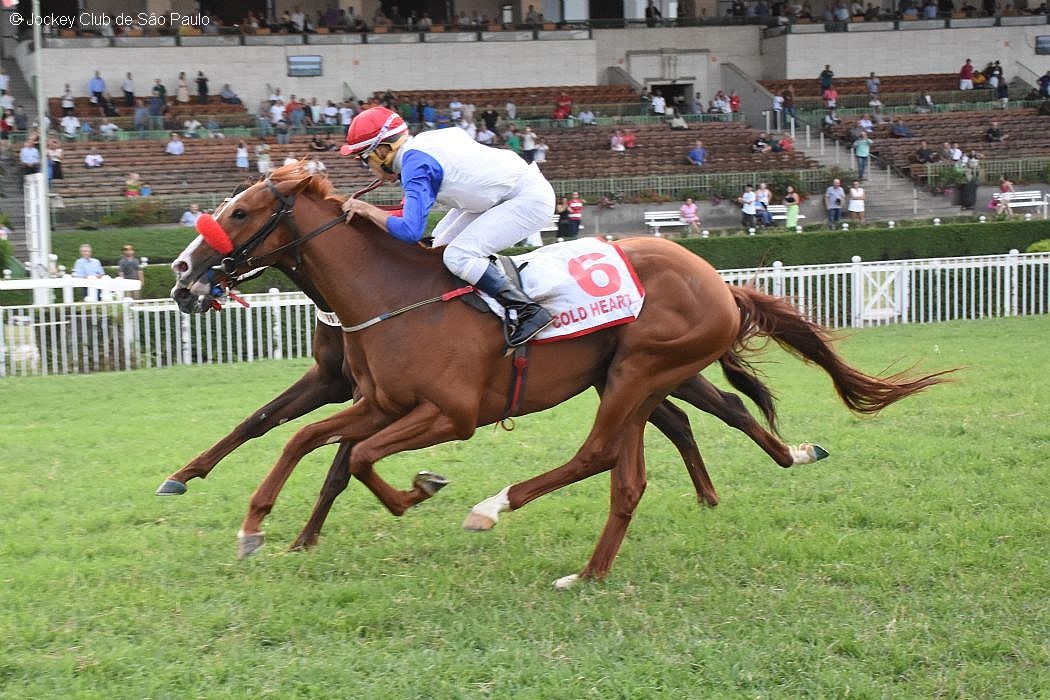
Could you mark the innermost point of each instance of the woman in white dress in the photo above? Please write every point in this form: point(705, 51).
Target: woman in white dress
point(856, 202)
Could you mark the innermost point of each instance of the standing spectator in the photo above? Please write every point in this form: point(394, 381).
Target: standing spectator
point(511, 110)
point(698, 154)
point(29, 156)
point(157, 105)
point(141, 116)
point(182, 89)
point(241, 159)
point(107, 130)
point(873, 84)
point(791, 202)
point(202, 88)
point(789, 102)
point(175, 146)
point(834, 197)
point(528, 144)
point(653, 16)
point(283, 132)
point(490, 116)
point(190, 216)
point(688, 212)
point(96, 86)
point(734, 102)
point(262, 157)
point(565, 229)
point(128, 88)
point(87, 267)
point(69, 102)
point(747, 206)
point(862, 152)
point(54, 158)
point(540, 156)
point(778, 111)
point(5, 79)
point(1002, 93)
point(856, 202)
point(966, 76)
point(826, 77)
point(1006, 190)
point(1044, 85)
point(575, 214)
point(659, 104)
point(762, 199)
point(130, 268)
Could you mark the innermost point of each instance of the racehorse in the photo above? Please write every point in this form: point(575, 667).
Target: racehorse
point(436, 374)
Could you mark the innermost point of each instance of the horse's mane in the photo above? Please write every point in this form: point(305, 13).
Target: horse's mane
point(317, 184)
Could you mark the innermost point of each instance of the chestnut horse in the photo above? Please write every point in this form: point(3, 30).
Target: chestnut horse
point(435, 374)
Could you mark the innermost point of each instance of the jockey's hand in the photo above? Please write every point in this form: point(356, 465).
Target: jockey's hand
point(355, 206)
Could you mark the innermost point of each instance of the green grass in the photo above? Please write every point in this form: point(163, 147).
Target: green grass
point(913, 563)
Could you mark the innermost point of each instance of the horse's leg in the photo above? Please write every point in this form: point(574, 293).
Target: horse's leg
point(730, 409)
point(334, 484)
point(674, 423)
point(375, 436)
point(324, 383)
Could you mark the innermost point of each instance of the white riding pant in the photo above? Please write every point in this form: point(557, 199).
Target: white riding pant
point(471, 237)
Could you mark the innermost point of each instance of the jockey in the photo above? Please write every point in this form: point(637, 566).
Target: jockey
point(496, 199)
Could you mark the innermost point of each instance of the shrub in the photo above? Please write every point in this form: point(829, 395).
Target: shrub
point(140, 213)
point(1042, 246)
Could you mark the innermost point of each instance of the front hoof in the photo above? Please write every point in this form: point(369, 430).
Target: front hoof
point(566, 582)
point(303, 543)
point(429, 482)
point(170, 487)
point(477, 522)
point(248, 545)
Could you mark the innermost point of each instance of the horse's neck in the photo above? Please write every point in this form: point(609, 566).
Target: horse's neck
point(360, 271)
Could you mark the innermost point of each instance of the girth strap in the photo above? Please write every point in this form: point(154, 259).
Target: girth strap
point(517, 386)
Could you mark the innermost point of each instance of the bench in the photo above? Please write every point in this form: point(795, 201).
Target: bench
point(656, 220)
point(779, 212)
point(552, 227)
point(1028, 198)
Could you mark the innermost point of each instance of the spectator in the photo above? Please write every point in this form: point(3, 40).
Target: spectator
point(262, 157)
point(133, 185)
point(688, 213)
point(562, 211)
point(826, 78)
point(321, 143)
point(541, 151)
point(966, 76)
point(955, 153)
point(485, 135)
point(865, 124)
point(93, 159)
point(658, 103)
point(1006, 190)
point(924, 154)
point(778, 111)
point(762, 199)
point(761, 144)
point(575, 214)
point(106, 107)
point(528, 144)
point(86, 130)
point(994, 134)
point(214, 128)
point(791, 202)
point(69, 103)
point(616, 143)
point(7, 125)
point(831, 97)
point(107, 130)
point(283, 132)
point(157, 105)
point(202, 88)
point(130, 268)
point(586, 117)
point(29, 156)
point(653, 16)
point(630, 140)
point(925, 103)
point(87, 267)
point(182, 89)
point(96, 86)
point(900, 130)
point(789, 102)
point(747, 206)
point(734, 102)
point(856, 202)
point(698, 155)
point(190, 216)
point(678, 123)
point(175, 146)
point(834, 197)
point(141, 117)
point(228, 96)
point(1044, 85)
point(873, 84)
point(241, 157)
point(70, 126)
point(128, 88)
point(862, 152)
point(563, 108)
point(191, 127)
point(1002, 93)
point(786, 144)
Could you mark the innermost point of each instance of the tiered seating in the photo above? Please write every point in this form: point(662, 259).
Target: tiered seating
point(1026, 132)
point(584, 152)
point(893, 90)
point(226, 114)
point(529, 100)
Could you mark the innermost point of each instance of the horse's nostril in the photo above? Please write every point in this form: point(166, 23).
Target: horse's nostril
point(180, 266)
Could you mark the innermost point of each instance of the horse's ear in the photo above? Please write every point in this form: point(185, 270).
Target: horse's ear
point(293, 185)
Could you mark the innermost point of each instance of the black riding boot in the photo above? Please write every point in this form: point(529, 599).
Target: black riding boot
point(531, 317)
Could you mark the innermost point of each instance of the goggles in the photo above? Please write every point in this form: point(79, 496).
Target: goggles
point(373, 143)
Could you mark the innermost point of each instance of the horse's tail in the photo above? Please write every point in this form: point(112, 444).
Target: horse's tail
point(776, 318)
point(743, 377)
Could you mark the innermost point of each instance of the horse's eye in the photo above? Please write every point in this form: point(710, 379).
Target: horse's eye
point(239, 214)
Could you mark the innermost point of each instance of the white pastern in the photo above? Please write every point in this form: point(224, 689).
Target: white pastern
point(333, 439)
point(803, 454)
point(492, 506)
point(566, 582)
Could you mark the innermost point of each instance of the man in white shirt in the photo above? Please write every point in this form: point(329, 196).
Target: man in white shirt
point(70, 126)
point(189, 218)
point(128, 87)
point(485, 135)
point(455, 109)
point(586, 116)
point(659, 104)
point(93, 159)
point(175, 146)
point(108, 130)
point(190, 127)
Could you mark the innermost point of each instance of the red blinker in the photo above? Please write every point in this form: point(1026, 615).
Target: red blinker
point(213, 234)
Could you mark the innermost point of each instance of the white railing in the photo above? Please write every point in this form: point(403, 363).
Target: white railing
point(130, 334)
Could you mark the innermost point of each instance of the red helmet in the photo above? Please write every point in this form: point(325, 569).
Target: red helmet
point(369, 129)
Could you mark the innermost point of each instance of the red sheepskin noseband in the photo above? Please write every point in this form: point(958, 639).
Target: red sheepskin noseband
point(213, 234)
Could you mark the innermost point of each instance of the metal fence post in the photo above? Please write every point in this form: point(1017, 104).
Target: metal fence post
point(1012, 261)
point(274, 309)
point(128, 331)
point(856, 292)
point(778, 278)
point(187, 345)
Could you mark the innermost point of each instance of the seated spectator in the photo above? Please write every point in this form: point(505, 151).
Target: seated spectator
point(133, 185)
point(678, 123)
point(616, 142)
point(688, 212)
point(485, 135)
point(761, 144)
point(190, 127)
point(901, 130)
point(831, 118)
point(321, 143)
point(629, 139)
point(70, 126)
point(586, 117)
point(190, 216)
point(1044, 109)
point(866, 124)
point(93, 159)
point(107, 108)
point(108, 130)
point(228, 96)
point(925, 103)
point(86, 130)
point(698, 154)
point(214, 128)
point(994, 134)
point(29, 156)
point(924, 154)
point(786, 144)
point(175, 146)
point(955, 153)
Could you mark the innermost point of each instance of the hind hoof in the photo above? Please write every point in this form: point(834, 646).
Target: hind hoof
point(247, 545)
point(808, 453)
point(429, 482)
point(476, 522)
point(170, 487)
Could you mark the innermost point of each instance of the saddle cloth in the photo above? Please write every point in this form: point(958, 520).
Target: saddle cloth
point(586, 284)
